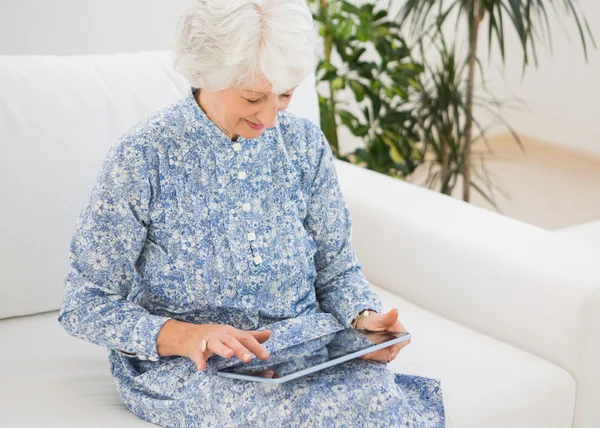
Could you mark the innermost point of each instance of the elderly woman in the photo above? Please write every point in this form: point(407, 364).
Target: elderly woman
point(217, 231)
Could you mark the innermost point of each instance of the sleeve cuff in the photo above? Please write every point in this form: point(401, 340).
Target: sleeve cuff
point(347, 316)
point(144, 337)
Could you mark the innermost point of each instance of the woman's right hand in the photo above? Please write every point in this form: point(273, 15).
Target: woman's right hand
point(181, 338)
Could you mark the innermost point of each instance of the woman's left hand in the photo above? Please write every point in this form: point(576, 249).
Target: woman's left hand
point(383, 322)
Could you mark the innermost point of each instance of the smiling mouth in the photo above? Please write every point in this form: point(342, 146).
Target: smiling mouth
point(255, 126)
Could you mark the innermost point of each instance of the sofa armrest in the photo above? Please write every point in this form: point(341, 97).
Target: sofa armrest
point(513, 281)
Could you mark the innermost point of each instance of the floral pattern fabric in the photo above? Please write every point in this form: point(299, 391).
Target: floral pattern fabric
point(184, 223)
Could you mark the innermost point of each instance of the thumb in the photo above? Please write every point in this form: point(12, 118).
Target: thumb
point(383, 321)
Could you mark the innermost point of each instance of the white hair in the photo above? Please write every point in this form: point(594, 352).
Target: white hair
point(222, 43)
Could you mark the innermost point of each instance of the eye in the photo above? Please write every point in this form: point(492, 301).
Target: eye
point(286, 95)
point(252, 101)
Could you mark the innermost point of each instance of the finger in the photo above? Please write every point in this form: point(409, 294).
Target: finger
point(398, 347)
point(394, 349)
point(239, 350)
point(381, 355)
point(366, 356)
point(250, 342)
point(267, 373)
point(261, 336)
point(401, 345)
point(376, 357)
point(385, 354)
point(199, 359)
point(219, 348)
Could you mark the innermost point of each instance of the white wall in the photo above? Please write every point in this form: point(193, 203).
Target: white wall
point(562, 95)
point(86, 26)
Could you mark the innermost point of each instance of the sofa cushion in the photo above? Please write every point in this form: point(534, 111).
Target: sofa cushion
point(485, 382)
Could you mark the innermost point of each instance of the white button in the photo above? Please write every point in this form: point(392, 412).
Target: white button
point(153, 358)
point(142, 357)
point(237, 147)
point(246, 207)
point(258, 259)
point(242, 175)
point(251, 236)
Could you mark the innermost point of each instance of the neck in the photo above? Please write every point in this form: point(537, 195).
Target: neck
point(203, 104)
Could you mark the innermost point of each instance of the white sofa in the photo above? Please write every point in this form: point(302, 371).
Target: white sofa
point(507, 315)
point(587, 233)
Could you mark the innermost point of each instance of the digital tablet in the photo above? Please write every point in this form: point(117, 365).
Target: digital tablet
point(313, 355)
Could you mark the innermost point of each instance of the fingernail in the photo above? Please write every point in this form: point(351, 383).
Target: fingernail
point(246, 356)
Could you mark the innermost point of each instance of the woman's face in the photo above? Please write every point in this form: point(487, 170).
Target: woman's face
point(244, 111)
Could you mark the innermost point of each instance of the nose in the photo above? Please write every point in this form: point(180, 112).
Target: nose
point(268, 113)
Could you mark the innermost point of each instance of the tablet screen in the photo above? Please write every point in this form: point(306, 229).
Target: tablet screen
point(319, 351)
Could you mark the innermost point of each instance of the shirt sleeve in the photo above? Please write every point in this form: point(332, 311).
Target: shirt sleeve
point(109, 236)
point(341, 287)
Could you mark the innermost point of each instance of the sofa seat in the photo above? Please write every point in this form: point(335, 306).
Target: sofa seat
point(50, 378)
point(534, 392)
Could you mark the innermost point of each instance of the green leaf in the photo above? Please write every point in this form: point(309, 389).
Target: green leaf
point(364, 31)
point(327, 65)
point(400, 92)
point(361, 130)
point(394, 153)
point(348, 119)
point(330, 75)
point(355, 56)
point(344, 29)
point(358, 89)
point(380, 15)
point(350, 8)
point(338, 83)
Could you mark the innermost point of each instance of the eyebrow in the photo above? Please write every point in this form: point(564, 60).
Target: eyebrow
point(255, 92)
point(264, 93)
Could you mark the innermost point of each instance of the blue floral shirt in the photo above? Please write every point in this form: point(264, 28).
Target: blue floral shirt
point(185, 223)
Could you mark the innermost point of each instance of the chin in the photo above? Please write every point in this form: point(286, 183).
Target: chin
point(250, 134)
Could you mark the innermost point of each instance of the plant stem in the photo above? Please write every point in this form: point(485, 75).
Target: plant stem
point(478, 14)
point(332, 113)
point(444, 158)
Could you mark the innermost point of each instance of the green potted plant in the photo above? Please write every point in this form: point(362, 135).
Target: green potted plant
point(408, 114)
point(365, 55)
